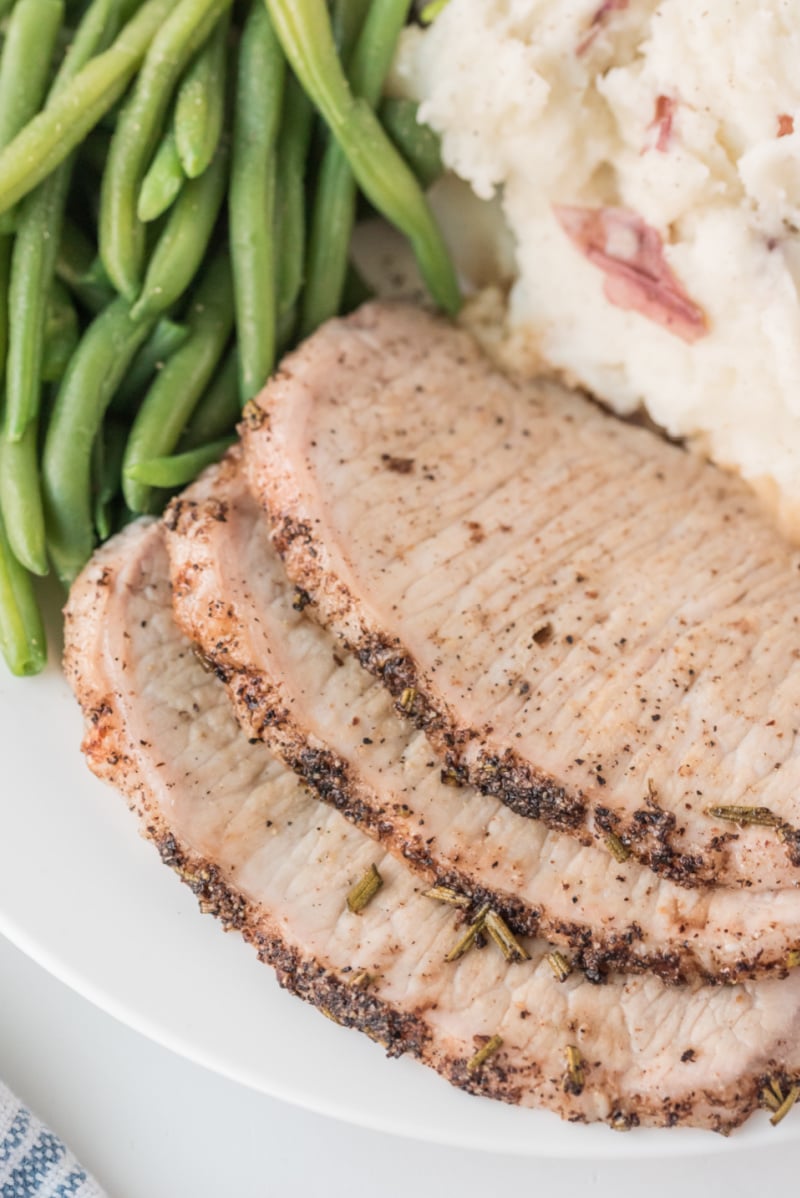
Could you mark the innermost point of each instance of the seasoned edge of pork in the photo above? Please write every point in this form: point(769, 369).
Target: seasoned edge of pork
point(159, 728)
point(598, 628)
point(329, 720)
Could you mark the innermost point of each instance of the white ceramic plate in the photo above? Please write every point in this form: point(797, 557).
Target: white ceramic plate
point(83, 895)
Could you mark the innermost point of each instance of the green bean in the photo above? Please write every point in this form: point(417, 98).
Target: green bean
point(180, 468)
point(89, 285)
point(22, 636)
point(94, 373)
point(163, 180)
point(293, 143)
point(21, 499)
point(332, 220)
point(121, 234)
point(75, 253)
point(109, 448)
point(285, 327)
point(347, 18)
point(24, 67)
point(128, 9)
point(334, 211)
point(61, 334)
point(356, 290)
point(5, 271)
point(200, 106)
point(218, 410)
point(259, 95)
point(418, 143)
point(36, 244)
point(304, 30)
point(165, 339)
point(98, 26)
point(184, 241)
point(25, 62)
point(52, 135)
point(175, 392)
point(375, 47)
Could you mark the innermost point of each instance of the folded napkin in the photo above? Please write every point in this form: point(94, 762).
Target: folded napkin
point(33, 1161)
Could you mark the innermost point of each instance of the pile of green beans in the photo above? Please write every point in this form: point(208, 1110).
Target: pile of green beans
point(179, 182)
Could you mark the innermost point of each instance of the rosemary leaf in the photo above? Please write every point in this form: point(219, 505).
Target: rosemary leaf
point(365, 890)
point(617, 848)
point(483, 1054)
point(206, 663)
point(407, 698)
point(793, 958)
point(573, 1081)
point(746, 815)
point(362, 979)
point(468, 939)
point(444, 894)
point(504, 938)
point(786, 1106)
point(769, 1100)
point(559, 964)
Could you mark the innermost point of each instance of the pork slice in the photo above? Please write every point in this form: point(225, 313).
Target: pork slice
point(330, 721)
point(598, 628)
point(277, 866)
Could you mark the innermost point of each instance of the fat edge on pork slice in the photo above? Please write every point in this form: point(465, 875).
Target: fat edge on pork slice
point(158, 727)
point(326, 718)
point(597, 627)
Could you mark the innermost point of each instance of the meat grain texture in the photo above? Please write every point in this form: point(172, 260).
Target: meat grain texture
point(275, 865)
point(597, 628)
point(334, 724)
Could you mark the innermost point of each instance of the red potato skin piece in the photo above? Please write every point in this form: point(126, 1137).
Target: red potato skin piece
point(641, 280)
point(661, 123)
point(598, 21)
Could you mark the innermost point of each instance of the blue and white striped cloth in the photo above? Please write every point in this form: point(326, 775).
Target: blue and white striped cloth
point(33, 1162)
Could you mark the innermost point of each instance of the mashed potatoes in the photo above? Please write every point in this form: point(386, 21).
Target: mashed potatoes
point(647, 162)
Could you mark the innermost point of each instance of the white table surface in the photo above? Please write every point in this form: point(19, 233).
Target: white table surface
point(149, 1124)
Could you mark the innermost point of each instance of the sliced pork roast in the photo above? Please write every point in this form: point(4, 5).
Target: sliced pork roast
point(279, 866)
point(592, 625)
point(335, 725)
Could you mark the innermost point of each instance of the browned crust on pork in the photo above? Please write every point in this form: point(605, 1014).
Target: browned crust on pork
point(112, 758)
point(212, 623)
point(649, 831)
point(530, 793)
